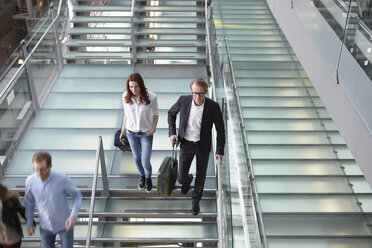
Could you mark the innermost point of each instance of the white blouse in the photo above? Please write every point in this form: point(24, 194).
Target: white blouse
point(140, 117)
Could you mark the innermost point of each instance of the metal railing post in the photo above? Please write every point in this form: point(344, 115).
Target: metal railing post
point(30, 78)
point(133, 37)
point(100, 158)
point(220, 225)
point(56, 39)
point(105, 183)
point(343, 42)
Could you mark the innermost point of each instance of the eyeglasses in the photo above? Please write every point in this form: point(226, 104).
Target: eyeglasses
point(200, 94)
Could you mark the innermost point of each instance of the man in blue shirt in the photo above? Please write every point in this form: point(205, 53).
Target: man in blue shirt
point(48, 190)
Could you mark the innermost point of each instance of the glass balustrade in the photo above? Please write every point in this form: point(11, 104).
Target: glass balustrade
point(241, 210)
point(352, 22)
point(26, 78)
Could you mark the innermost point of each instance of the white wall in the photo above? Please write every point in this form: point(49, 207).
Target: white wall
point(316, 46)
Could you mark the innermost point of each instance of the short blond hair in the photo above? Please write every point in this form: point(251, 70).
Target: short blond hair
point(200, 82)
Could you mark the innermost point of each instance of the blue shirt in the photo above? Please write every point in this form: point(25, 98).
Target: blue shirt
point(50, 198)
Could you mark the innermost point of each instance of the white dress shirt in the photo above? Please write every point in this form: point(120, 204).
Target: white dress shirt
point(140, 117)
point(193, 126)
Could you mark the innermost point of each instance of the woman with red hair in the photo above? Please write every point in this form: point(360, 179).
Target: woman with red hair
point(140, 119)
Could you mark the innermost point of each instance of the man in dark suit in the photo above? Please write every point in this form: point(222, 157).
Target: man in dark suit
point(197, 116)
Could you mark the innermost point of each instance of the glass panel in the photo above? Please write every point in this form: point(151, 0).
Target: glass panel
point(11, 65)
point(237, 164)
point(16, 108)
point(354, 24)
point(16, 101)
point(43, 63)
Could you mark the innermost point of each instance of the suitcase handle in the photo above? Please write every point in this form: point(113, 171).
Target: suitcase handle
point(174, 151)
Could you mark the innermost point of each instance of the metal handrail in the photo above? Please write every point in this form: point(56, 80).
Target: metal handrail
point(219, 206)
point(32, 51)
point(247, 150)
point(209, 51)
point(100, 157)
point(217, 164)
point(360, 21)
point(343, 41)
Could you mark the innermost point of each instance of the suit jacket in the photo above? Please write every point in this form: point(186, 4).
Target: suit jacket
point(211, 115)
point(9, 214)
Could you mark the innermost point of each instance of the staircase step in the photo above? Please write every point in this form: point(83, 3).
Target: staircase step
point(144, 232)
point(318, 242)
point(316, 227)
point(101, 8)
point(300, 152)
point(287, 101)
point(309, 168)
point(119, 185)
point(102, 100)
point(98, 43)
point(295, 138)
point(170, 43)
point(169, 8)
point(326, 205)
point(115, 84)
point(97, 55)
point(100, 19)
point(192, 1)
point(168, 55)
point(290, 125)
point(166, 19)
point(171, 31)
point(148, 207)
point(311, 185)
point(121, 31)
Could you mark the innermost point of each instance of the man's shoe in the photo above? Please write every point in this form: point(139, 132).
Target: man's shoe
point(185, 187)
point(148, 185)
point(141, 183)
point(195, 208)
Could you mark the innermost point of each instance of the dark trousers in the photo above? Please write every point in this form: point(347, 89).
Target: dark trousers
point(188, 150)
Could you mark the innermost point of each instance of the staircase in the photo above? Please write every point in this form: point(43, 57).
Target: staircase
point(84, 103)
point(161, 32)
point(311, 191)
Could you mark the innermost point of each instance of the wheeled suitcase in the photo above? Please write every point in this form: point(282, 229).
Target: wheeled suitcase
point(167, 174)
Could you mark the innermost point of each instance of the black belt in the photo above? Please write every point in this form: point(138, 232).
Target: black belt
point(137, 133)
point(194, 142)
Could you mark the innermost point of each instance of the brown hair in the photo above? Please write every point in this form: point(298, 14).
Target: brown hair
point(42, 156)
point(144, 98)
point(200, 82)
point(6, 194)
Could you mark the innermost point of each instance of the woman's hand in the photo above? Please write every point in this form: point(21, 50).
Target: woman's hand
point(150, 132)
point(123, 135)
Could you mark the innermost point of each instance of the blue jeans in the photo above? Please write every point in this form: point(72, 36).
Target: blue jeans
point(141, 146)
point(48, 238)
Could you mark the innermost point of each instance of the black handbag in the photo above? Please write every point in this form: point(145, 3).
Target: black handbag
point(121, 144)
